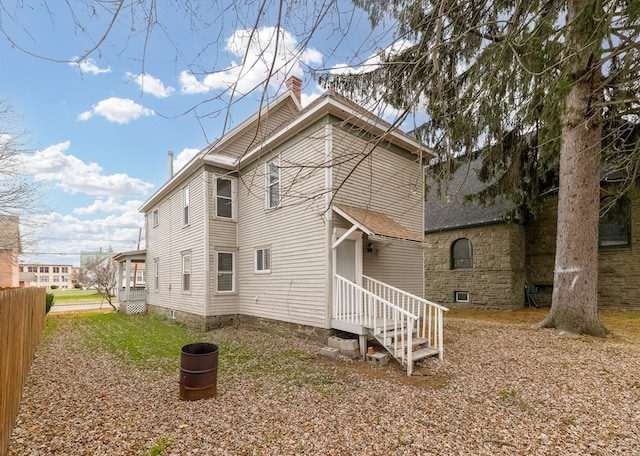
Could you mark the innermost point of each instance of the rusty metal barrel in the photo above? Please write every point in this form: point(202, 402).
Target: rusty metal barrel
point(198, 371)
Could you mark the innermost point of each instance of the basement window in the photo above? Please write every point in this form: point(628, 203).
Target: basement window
point(461, 296)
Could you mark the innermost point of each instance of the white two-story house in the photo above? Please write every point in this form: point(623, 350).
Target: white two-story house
point(310, 216)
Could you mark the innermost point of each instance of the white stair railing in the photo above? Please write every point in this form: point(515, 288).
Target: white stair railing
point(429, 314)
point(359, 306)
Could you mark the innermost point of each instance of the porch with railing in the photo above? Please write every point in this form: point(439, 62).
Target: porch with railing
point(133, 300)
point(409, 327)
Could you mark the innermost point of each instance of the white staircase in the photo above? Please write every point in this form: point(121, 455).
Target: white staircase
point(407, 326)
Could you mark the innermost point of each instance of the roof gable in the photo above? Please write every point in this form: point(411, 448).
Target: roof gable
point(278, 122)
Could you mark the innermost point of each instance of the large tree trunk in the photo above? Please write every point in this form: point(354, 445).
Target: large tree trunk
point(574, 305)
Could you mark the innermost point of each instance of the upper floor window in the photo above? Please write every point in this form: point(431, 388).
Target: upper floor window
point(263, 260)
point(65, 269)
point(185, 205)
point(56, 269)
point(44, 269)
point(614, 229)
point(186, 272)
point(154, 217)
point(224, 198)
point(273, 183)
point(461, 254)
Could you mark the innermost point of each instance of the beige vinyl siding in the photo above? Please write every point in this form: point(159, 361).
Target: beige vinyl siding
point(250, 139)
point(295, 289)
point(170, 239)
point(398, 263)
point(222, 237)
point(388, 181)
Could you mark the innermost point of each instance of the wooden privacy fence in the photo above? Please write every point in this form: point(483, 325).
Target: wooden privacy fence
point(22, 313)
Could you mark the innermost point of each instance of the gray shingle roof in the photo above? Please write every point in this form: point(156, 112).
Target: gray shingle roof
point(450, 210)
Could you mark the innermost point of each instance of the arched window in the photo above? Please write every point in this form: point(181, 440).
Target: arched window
point(614, 229)
point(461, 254)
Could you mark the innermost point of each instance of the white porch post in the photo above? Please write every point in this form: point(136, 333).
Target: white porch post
point(119, 278)
point(127, 279)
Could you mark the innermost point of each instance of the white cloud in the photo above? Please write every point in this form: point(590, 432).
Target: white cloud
point(308, 98)
point(119, 110)
point(89, 65)
point(183, 158)
point(264, 50)
point(59, 238)
point(73, 175)
point(371, 63)
point(150, 85)
point(107, 206)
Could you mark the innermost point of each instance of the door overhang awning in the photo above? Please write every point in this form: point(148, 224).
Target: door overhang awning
point(374, 224)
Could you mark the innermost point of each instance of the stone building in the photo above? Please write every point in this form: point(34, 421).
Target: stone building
point(485, 256)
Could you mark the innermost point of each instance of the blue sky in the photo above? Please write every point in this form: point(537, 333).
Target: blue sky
point(101, 129)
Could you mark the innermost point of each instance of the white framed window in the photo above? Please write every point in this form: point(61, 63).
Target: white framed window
point(65, 269)
point(186, 271)
point(224, 193)
point(185, 205)
point(156, 273)
point(154, 217)
point(461, 296)
point(263, 259)
point(140, 277)
point(272, 171)
point(225, 266)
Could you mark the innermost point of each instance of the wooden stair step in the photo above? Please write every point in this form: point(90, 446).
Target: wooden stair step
point(423, 353)
point(388, 328)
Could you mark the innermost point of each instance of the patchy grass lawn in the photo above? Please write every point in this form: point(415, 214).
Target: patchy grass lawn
point(75, 296)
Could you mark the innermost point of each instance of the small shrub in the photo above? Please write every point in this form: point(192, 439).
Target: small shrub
point(54, 287)
point(77, 286)
point(49, 301)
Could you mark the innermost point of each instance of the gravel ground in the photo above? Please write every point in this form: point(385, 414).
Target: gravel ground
point(503, 389)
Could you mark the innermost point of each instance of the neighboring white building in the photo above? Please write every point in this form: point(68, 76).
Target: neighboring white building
point(46, 275)
point(290, 217)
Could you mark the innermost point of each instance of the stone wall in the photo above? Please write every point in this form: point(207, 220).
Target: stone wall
point(498, 275)
point(618, 267)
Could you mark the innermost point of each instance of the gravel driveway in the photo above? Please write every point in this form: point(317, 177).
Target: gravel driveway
point(503, 389)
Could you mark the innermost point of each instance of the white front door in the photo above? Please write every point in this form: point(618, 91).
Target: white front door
point(347, 258)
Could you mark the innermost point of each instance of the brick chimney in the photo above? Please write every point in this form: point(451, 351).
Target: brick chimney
point(295, 85)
